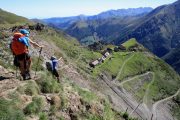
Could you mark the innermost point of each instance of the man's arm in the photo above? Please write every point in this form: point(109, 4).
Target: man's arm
point(59, 58)
point(34, 43)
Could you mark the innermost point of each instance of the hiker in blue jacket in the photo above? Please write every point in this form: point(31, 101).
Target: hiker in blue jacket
point(54, 63)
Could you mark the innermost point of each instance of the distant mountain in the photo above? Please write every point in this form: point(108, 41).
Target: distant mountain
point(131, 78)
point(10, 18)
point(158, 31)
point(173, 58)
point(65, 22)
point(124, 12)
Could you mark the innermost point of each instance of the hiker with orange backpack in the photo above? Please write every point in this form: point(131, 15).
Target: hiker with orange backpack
point(19, 47)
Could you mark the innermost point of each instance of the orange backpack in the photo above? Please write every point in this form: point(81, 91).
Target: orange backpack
point(16, 46)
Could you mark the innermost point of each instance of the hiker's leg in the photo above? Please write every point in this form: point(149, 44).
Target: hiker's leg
point(28, 65)
point(22, 67)
point(55, 72)
point(28, 60)
point(21, 63)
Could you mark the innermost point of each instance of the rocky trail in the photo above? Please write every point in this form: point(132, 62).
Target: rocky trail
point(8, 81)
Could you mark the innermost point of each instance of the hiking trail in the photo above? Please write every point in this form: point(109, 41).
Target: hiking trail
point(120, 71)
point(145, 98)
point(155, 105)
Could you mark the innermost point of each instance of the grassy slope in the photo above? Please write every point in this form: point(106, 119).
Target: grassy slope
point(6, 17)
point(166, 81)
point(71, 51)
point(176, 107)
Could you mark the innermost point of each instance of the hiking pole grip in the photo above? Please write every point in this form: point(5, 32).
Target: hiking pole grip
point(38, 60)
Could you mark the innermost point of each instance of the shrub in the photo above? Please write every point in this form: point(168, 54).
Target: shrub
point(39, 67)
point(8, 111)
point(125, 116)
point(31, 89)
point(43, 116)
point(34, 107)
point(48, 84)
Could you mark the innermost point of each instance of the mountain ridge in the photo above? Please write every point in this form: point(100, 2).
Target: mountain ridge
point(158, 30)
point(59, 21)
point(85, 92)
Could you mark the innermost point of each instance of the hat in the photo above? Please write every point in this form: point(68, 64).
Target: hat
point(53, 57)
point(24, 32)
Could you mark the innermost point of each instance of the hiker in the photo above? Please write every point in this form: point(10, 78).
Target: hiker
point(54, 63)
point(19, 47)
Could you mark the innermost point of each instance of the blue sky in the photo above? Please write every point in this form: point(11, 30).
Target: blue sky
point(63, 8)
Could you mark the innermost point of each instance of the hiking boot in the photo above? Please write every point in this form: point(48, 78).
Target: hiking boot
point(24, 77)
point(28, 76)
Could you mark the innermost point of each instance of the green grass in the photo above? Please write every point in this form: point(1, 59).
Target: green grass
point(130, 43)
point(138, 64)
point(31, 88)
point(71, 51)
point(48, 84)
point(9, 110)
point(34, 107)
point(112, 65)
point(43, 116)
point(108, 113)
point(165, 80)
point(176, 107)
point(37, 63)
point(142, 83)
point(86, 95)
point(11, 18)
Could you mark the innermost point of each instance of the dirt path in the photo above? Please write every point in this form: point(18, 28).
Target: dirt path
point(120, 71)
point(130, 102)
point(145, 98)
point(130, 79)
point(8, 81)
point(155, 105)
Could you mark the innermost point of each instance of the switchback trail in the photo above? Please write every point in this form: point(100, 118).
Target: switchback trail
point(155, 105)
point(130, 103)
point(120, 71)
point(145, 98)
point(130, 79)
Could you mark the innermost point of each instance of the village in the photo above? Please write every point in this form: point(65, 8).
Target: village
point(105, 54)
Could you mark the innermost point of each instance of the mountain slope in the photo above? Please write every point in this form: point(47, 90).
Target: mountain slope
point(173, 58)
point(66, 22)
point(43, 97)
point(140, 78)
point(159, 30)
point(84, 92)
point(6, 17)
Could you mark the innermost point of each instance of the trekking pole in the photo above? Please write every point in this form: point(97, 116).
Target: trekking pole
point(16, 72)
point(38, 60)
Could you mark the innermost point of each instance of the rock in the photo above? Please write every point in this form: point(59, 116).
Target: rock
point(56, 101)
